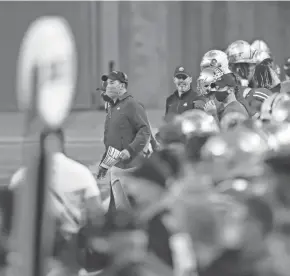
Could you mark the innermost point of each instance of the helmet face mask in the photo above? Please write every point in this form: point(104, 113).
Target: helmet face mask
point(206, 82)
point(244, 70)
point(240, 51)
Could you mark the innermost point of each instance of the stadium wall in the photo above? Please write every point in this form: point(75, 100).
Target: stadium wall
point(144, 39)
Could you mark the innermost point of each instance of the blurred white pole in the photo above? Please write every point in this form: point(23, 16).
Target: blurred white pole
point(46, 89)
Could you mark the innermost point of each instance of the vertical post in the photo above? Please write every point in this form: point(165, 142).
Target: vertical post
point(109, 38)
point(46, 84)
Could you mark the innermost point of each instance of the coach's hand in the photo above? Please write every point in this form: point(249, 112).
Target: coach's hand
point(101, 172)
point(124, 155)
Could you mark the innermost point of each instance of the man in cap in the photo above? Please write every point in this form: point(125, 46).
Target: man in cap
point(184, 98)
point(225, 87)
point(127, 130)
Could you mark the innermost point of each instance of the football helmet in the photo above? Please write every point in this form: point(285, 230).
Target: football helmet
point(228, 144)
point(182, 127)
point(197, 122)
point(277, 135)
point(240, 51)
point(271, 104)
point(260, 45)
point(281, 113)
point(207, 79)
point(215, 58)
point(237, 152)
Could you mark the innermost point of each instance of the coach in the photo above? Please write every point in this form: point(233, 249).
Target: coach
point(127, 129)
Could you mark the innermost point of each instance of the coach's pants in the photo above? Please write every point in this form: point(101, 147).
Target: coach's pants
point(118, 179)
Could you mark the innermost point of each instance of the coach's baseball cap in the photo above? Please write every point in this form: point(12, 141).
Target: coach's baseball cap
point(180, 71)
point(116, 75)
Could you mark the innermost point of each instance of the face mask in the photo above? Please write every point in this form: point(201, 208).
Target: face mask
point(113, 91)
point(105, 97)
point(221, 95)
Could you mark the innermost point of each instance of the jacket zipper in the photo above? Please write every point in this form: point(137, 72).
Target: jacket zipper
point(177, 111)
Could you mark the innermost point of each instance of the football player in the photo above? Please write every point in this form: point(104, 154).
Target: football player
point(217, 58)
point(213, 81)
point(264, 76)
point(262, 48)
point(242, 63)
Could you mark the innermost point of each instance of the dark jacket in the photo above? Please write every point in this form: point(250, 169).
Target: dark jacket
point(158, 239)
point(276, 89)
point(126, 127)
point(178, 105)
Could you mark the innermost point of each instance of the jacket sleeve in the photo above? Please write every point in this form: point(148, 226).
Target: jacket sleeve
point(139, 121)
point(166, 107)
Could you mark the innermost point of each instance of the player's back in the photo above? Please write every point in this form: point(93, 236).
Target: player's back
point(72, 185)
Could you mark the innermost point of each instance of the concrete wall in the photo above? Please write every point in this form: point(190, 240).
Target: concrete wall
point(145, 39)
point(162, 35)
point(15, 18)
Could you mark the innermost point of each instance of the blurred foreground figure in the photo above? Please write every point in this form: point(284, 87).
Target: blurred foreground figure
point(46, 80)
point(75, 199)
point(182, 128)
point(236, 153)
point(270, 108)
point(277, 172)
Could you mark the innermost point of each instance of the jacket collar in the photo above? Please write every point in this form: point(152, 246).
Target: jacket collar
point(183, 94)
point(123, 97)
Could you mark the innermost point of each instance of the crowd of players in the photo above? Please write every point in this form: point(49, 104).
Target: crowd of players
point(213, 197)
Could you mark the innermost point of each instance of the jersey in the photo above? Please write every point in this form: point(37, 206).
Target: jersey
point(73, 185)
point(285, 86)
point(255, 97)
point(234, 106)
point(241, 95)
